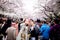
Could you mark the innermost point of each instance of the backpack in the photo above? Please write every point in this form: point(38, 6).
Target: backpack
point(37, 32)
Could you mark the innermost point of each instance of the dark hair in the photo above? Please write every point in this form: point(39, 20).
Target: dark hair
point(44, 21)
point(38, 21)
point(56, 21)
point(21, 19)
point(32, 20)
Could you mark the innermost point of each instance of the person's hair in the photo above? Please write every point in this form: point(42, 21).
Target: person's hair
point(8, 22)
point(21, 19)
point(45, 22)
point(32, 20)
point(56, 21)
point(38, 21)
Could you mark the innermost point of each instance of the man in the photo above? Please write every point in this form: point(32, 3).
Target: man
point(11, 32)
point(6, 25)
point(44, 30)
point(55, 30)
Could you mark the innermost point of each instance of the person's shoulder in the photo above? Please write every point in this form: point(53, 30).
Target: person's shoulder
point(12, 28)
point(8, 29)
point(57, 26)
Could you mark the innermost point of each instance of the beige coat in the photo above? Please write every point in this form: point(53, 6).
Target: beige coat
point(11, 33)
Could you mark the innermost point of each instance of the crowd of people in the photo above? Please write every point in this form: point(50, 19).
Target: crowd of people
point(28, 29)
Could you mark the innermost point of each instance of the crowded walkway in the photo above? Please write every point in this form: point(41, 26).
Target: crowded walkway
point(28, 29)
